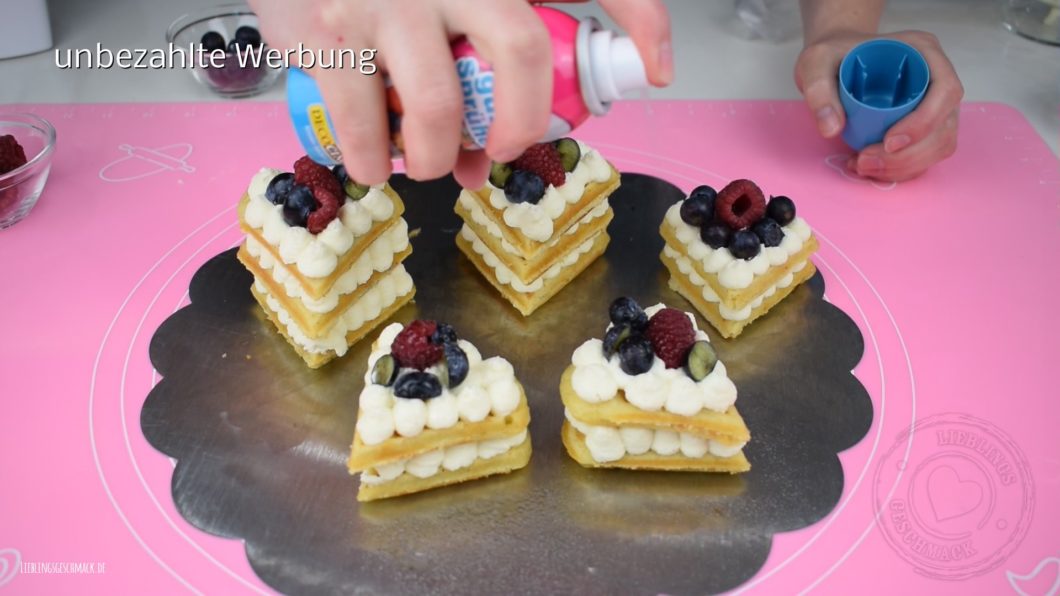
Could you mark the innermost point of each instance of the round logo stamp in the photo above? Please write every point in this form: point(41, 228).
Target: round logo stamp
point(957, 500)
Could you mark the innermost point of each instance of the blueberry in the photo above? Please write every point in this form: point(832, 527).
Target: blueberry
point(248, 36)
point(769, 232)
point(212, 40)
point(279, 187)
point(636, 356)
point(715, 234)
point(745, 245)
point(300, 197)
point(385, 370)
point(698, 208)
point(614, 338)
point(444, 334)
point(524, 187)
point(456, 363)
point(296, 218)
point(625, 311)
point(781, 209)
point(418, 385)
point(340, 173)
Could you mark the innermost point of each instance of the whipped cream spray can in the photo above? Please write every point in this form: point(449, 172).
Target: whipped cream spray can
point(592, 67)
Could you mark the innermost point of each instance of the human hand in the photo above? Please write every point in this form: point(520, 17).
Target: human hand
point(412, 38)
point(915, 143)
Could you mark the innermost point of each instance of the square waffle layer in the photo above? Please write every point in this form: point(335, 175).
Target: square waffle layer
point(313, 324)
point(527, 302)
point(680, 283)
point(738, 299)
point(317, 287)
point(528, 248)
point(318, 359)
point(574, 441)
point(512, 460)
point(725, 427)
point(398, 448)
point(529, 269)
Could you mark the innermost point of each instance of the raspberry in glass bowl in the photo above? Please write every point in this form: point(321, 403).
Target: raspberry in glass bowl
point(27, 143)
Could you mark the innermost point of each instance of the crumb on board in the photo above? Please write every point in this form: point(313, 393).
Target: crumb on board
point(248, 356)
point(415, 232)
point(225, 355)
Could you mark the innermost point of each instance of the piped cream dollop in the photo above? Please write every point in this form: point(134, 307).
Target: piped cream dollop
point(612, 443)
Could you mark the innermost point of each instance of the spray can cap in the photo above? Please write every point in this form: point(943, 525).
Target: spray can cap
point(609, 66)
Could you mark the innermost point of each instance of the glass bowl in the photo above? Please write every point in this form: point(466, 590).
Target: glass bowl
point(21, 188)
point(230, 78)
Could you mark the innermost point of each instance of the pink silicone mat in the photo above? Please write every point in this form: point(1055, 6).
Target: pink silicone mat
point(952, 279)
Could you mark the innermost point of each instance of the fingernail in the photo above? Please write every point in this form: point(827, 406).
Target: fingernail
point(827, 121)
point(666, 62)
point(869, 163)
point(896, 143)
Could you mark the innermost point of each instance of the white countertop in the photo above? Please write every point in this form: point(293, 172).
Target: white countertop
point(712, 60)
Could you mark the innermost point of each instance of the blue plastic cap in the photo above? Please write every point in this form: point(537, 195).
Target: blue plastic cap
point(880, 82)
point(312, 123)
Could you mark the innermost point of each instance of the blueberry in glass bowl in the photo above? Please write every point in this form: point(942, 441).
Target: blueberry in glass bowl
point(231, 29)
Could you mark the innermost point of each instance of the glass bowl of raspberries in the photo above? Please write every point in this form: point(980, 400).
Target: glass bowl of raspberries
point(26, 146)
point(224, 50)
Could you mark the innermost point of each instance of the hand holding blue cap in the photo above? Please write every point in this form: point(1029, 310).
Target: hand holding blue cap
point(880, 82)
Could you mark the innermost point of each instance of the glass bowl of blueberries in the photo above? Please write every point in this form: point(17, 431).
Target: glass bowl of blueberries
point(224, 50)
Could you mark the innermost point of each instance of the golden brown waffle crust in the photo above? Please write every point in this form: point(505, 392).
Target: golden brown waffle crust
point(317, 287)
point(574, 442)
point(727, 428)
point(317, 359)
point(680, 283)
point(513, 459)
point(527, 303)
point(594, 193)
point(529, 269)
point(398, 448)
point(738, 299)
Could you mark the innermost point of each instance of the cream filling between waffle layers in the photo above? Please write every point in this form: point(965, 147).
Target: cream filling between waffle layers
point(384, 293)
point(377, 257)
point(612, 443)
point(597, 378)
point(684, 264)
point(315, 255)
point(505, 276)
point(537, 221)
point(733, 273)
point(489, 388)
point(455, 457)
point(478, 215)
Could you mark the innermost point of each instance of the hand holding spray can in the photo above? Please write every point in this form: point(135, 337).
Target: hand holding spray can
point(592, 67)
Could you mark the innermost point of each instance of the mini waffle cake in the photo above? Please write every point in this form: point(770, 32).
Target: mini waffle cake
point(326, 256)
point(733, 255)
point(539, 222)
point(434, 413)
point(652, 395)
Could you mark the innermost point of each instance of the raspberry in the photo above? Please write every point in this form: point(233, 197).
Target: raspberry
point(11, 154)
point(413, 347)
point(544, 160)
point(313, 175)
point(740, 204)
point(671, 335)
point(327, 210)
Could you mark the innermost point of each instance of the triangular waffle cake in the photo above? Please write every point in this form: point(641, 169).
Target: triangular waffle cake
point(433, 412)
point(652, 395)
point(326, 256)
point(539, 222)
point(734, 255)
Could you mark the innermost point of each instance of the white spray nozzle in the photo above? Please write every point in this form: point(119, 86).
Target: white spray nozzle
point(616, 66)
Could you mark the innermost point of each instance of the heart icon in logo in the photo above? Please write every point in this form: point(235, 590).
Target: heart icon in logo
point(950, 496)
point(1031, 583)
point(10, 562)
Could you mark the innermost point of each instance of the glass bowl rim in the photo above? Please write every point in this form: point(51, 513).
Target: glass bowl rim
point(193, 18)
